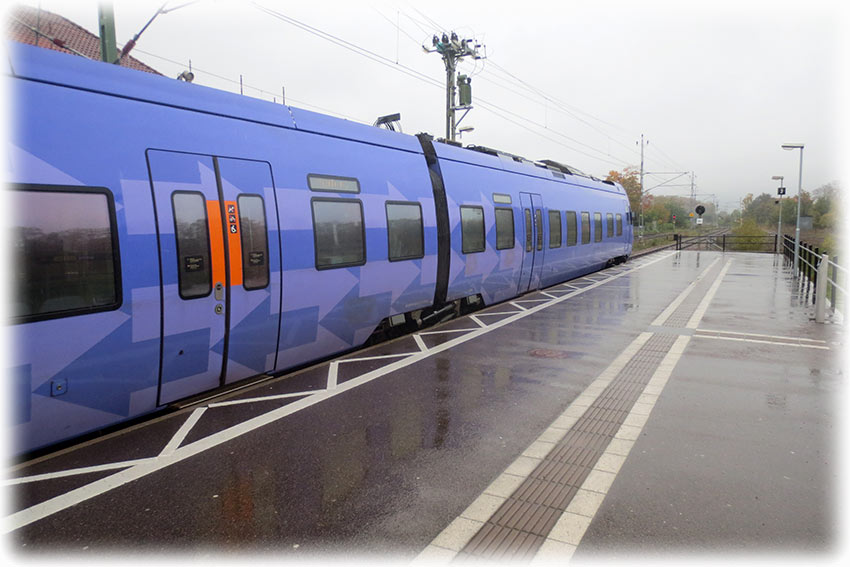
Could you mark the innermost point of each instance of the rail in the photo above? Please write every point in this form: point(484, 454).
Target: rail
point(821, 275)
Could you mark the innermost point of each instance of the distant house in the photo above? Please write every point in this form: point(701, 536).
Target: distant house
point(51, 31)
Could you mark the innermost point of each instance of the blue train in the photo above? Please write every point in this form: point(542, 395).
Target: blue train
point(171, 239)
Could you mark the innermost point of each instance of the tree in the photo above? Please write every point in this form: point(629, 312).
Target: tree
point(629, 178)
point(763, 209)
point(826, 206)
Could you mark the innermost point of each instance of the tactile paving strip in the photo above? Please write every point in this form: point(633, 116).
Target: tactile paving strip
point(520, 525)
point(682, 315)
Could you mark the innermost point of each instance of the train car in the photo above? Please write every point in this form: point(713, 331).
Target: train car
point(170, 239)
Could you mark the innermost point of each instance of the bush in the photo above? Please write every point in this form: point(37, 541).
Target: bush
point(748, 236)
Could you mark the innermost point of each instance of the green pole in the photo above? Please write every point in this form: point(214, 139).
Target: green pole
point(106, 24)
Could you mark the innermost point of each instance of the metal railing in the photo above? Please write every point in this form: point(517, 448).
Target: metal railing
point(724, 242)
point(820, 275)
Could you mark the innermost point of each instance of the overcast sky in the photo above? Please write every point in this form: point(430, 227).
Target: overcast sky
point(714, 86)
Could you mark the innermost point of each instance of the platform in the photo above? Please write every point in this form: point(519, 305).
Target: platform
point(683, 402)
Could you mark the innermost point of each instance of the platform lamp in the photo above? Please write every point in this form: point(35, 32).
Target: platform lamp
point(780, 192)
point(799, 199)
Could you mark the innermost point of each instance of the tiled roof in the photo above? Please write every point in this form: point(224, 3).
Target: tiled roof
point(49, 30)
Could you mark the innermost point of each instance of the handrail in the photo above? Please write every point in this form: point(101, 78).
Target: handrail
point(812, 270)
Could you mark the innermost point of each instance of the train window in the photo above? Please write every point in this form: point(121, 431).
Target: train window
point(527, 230)
point(572, 229)
point(333, 184)
point(504, 228)
point(619, 224)
point(472, 229)
point(554, 229)
point(255, 243)
point(404, 231)
point(609, 219)
point(538, 220)
point(338, 231)
point(585, 227)
point(191, 230)
point(597, 227)
point(64, 252)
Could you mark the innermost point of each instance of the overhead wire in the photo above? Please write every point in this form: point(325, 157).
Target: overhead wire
point(348, 45)
point(398, 27)
point(414, 73)
point(429, 20)
point(557, 105)
point(497, 81)
point(491, 107)
point(246, 85)
point(564, 107)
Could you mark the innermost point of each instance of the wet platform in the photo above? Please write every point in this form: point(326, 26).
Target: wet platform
point(682, 403)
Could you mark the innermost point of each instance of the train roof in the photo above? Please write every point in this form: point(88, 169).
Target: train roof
point(52, 67)
point(544, 169)
point(37, 64)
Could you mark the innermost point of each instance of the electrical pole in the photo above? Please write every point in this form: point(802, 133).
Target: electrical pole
point(693, 198)
point(453, 50)
point(106, 25)
point(640, 204)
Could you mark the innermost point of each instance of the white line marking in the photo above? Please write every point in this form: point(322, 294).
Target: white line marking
point(664, 315)
point(61, 502)
point(333, 371)
point(518, 306)
point(378, 357)
point(757, 341)
point(265, 398)
point(693, 322)
point(497, 313)
point(478, 321)
point(446, 331)
point(420, 343)
point(74, 472)
point(760, 335)
point(183, 431)
point(549, 295)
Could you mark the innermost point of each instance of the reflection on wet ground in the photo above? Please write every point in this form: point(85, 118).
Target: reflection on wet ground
point(381, 466)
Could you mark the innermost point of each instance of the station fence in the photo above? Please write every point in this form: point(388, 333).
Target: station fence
point(820, 274)
point(725, 242)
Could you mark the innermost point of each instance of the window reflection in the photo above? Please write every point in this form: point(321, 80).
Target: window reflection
point(255, 246)
point(338, 227)
point(63, 255)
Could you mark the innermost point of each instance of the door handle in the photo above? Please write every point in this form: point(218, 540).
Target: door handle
point(219, 291)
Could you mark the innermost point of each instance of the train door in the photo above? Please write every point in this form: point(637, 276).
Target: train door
point(531, 205)
point(218, 242)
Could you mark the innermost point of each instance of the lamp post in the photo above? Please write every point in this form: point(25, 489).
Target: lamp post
point(781, 190)
point(799, 198)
